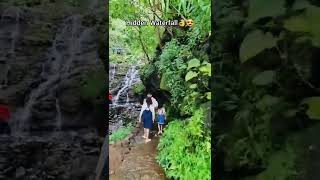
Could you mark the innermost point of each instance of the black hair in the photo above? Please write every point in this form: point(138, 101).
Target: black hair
point(149, 101)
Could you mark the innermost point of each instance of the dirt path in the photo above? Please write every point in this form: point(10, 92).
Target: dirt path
point(135, 161)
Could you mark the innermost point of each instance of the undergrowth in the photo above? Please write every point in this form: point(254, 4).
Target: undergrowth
point(185, 149)
point(120, 134)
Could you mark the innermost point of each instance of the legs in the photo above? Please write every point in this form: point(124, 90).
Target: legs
point(147, 137)
point(144, 133)
point(160, 127)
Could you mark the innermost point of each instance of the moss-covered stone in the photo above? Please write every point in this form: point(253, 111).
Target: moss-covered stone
point(163, 85)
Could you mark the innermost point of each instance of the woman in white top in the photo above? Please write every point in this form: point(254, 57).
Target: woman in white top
point(144, 105)
point(148, 116)
point(154, 101)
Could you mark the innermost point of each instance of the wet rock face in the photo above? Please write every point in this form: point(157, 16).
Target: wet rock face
point(72, 157)
point(36, 47)
point(125, 107)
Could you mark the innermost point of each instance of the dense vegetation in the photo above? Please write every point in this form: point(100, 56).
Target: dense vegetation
point(266, 85)
point(176, 68)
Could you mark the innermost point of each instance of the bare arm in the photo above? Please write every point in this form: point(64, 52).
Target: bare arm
point(153, 114)
point(142, 109)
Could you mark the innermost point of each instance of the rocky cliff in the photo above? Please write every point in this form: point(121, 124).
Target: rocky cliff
point(48, 51)
point(53, 78)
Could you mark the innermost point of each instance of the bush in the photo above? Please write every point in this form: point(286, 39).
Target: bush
point(139, 89)
point(185, 149)
point(120, 134)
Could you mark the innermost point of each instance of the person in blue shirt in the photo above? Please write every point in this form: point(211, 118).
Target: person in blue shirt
point(161, 119)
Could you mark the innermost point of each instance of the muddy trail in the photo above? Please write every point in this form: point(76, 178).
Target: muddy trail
point(133, 159)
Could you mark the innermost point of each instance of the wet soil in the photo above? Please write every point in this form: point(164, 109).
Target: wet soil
point(136, 160)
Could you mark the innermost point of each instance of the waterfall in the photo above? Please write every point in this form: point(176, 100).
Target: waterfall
point(12, 13)
point(60, 60)
point(10, 16)
point(130, 79)
point(128, 99)
point(59, 116)
point(124, 108)
point(113, 73)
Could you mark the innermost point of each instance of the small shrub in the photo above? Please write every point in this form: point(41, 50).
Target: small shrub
point(120, 134)
point(139, 89)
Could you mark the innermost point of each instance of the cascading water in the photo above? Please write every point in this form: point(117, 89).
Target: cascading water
point(59, 116)
point(10, 18)
point(61, 58)
point(113, 72)
point(124, 107)
point(131, 78)
point(12, 14)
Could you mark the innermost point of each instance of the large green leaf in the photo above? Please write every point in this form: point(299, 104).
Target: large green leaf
point(308, 22)
point(267, 101)
point(193, 86)
point(206, 69)
point(313, 107)
point(193, 63)
point(300, 4)
point(208, 95)
point(264, 78)
point(190, 75)
point(265, 8)
point(254, 43)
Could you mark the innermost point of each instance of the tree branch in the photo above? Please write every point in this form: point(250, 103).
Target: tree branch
point(142, 44)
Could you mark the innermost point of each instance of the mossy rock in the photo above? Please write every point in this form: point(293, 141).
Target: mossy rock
point(163, 83)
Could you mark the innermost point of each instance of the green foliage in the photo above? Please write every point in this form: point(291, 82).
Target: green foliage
point(313, 107)
point(264, 78)
point(191, 75)
point(198, 11)
point(185, 149)
point(260, 9)
point(193, 63)
point(163, 83)
point(205, 69)
point(94, 85)
point(307, 23)
point(120, 134)
point(282, 166)
point(139, 88)
point(259, 87)
point(254, 43)
point(141, 40)
point(147, 70)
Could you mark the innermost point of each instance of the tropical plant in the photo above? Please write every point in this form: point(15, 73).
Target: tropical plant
point(120, 134)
